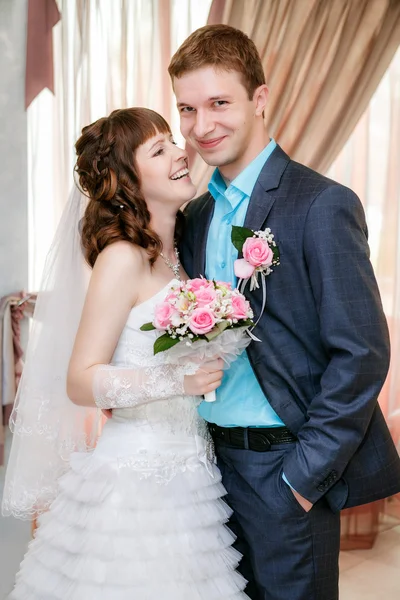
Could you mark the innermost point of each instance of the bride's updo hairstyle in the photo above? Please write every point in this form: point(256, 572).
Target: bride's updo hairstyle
point(108, 174)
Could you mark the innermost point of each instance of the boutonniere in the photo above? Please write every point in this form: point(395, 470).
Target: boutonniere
point(260, 254)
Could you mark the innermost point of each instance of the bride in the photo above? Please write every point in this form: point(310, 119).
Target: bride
point(137, 512)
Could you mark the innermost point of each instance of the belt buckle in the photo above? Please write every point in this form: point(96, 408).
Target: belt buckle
point(262, 443)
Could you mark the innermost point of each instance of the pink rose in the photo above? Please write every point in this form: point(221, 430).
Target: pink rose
point(202, 321)
point(205, 296)
point(163, 314)
point(240, 307)
point(243, 270)
point(257, 252)
point(199, 283)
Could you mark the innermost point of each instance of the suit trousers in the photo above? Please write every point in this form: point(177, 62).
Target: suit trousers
point(288, 554)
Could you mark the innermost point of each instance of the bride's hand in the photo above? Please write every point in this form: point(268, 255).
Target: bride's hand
point(206, 379)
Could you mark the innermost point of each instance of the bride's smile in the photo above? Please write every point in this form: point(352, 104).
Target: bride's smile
point(164, 173)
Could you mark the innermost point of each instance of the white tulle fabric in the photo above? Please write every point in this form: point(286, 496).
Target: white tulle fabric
point(47, 427)
point(140, 517)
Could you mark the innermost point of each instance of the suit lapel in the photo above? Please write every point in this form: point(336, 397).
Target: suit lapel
point(202, 226)
point(261, 200)
point(259, 207)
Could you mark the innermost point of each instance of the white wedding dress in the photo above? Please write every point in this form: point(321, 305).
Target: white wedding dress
point(141, 516)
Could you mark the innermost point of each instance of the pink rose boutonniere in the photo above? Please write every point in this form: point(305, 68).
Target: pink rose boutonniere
point(260, 254)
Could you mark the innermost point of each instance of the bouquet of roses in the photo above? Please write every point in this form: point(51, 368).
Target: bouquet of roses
point(202, 319)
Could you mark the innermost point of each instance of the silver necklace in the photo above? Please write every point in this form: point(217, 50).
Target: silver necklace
point(174, 267)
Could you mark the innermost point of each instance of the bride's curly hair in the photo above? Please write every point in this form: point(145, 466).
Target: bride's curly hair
point(108, 174)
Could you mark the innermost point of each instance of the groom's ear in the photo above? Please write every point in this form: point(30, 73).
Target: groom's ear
point(260, 99)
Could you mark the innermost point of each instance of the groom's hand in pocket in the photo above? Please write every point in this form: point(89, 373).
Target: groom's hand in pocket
point(304, 503)
point(207, 378)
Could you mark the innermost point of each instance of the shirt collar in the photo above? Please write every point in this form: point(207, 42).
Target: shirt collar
point(217, 185)
point(246, 180)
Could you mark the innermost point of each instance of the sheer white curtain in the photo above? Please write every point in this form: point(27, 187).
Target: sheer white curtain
point(108, 54)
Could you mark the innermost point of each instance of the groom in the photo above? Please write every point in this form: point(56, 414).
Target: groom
point(297, 427)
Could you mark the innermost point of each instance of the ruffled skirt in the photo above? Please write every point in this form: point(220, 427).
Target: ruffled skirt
point(139, 518)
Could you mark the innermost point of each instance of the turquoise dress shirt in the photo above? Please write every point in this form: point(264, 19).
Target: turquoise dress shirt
point(240, 400)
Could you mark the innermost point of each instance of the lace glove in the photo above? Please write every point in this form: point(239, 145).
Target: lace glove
point(124, 387)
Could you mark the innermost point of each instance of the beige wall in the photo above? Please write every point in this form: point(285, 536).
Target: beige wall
point(13, 148)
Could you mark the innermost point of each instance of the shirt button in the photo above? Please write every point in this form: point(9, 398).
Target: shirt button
point(223, 265)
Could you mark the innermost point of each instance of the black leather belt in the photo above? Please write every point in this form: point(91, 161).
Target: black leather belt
point(259, 439)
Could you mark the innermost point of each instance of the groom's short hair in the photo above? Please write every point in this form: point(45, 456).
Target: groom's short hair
point(224, 48)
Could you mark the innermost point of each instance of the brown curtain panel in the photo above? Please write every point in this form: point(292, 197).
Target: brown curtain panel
point(42, 16)
point(322, 61)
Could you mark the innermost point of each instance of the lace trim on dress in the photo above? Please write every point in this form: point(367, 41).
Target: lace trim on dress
point(119, 387)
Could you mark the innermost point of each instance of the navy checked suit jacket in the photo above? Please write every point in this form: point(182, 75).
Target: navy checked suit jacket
point(324, 351)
